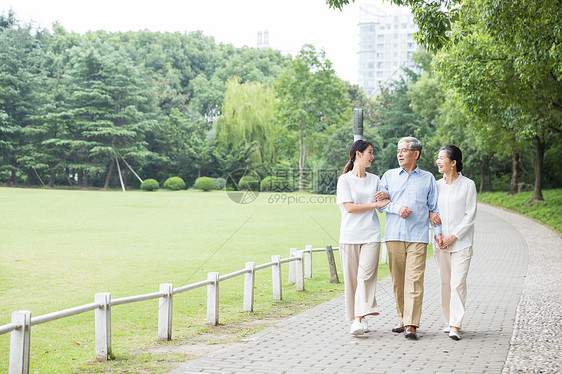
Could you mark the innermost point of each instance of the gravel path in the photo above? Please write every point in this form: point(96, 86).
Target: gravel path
point(536, 344)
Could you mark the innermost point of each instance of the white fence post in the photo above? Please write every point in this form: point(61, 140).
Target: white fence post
point(292, 253)
point(299, 271)
point(308, 261)
point(332, 265)
point(213, 299)
point(384, 253)
point(276, 278)
point(249, 279)
point(20, 343)
point(103, 326)
point(165, 312)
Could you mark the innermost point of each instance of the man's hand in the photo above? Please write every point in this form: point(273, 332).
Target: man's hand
point(381, 195)
point(435, 218)
point(449, 240)
point(404, 212)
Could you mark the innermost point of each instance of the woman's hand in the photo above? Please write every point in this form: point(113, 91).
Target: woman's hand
point(382, 195)
point(380, 203)
point(449, 240)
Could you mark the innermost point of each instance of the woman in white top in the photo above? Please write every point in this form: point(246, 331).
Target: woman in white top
point(457, 207)
point(360, 235)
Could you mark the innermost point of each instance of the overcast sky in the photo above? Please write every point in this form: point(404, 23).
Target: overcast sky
point(290, 23)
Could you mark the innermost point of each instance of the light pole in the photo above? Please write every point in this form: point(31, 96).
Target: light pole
point(357, 124)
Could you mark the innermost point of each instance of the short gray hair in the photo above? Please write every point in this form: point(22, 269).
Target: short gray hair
point(413, 143)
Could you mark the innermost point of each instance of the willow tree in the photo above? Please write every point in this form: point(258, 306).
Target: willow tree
point(248, 118)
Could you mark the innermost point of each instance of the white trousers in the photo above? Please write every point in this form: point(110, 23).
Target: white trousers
point(360, 265)
point(453, 270)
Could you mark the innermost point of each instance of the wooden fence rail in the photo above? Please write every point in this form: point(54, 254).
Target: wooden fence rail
point(300, 267)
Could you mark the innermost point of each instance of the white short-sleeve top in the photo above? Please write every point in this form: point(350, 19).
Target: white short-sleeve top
point(457, 207)
point(358, 228)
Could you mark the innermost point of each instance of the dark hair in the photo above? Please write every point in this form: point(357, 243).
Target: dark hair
point(359, 146)
point(454, 154)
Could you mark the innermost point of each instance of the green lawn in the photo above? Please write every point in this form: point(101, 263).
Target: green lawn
point(60, 247)
point(548, 211)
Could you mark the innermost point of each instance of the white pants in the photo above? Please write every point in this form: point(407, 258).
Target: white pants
point(360, 265)
point(453, 270)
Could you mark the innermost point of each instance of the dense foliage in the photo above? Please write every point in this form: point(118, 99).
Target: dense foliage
point(87, 110)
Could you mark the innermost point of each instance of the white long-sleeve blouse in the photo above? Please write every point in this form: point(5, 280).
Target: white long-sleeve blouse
point(457, 207)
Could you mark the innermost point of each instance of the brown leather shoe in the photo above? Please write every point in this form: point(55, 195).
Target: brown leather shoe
point(398, 328)
point(410, 332)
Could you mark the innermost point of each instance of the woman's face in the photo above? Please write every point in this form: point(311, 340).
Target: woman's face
point(366, 157)
point(443, 162)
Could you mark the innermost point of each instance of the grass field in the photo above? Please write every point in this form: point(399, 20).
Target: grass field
point(548, 211)
point(60, 247)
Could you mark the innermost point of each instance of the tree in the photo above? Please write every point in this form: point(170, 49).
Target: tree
point(21, 88)
point(493, 86)
point(312, 98)
point(434, 18)
point(248, 116)
point(514, 48)
point(111, 108)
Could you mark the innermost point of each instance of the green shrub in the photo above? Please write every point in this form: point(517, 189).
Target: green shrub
point(249, 182)
point(276, 184)
point(204, 183)
point(149, 185)
point(220, 183)
point(174, 184)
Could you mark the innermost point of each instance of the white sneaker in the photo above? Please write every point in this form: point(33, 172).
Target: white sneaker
point(447, 330)
point(454, 334)
point(356, 328)
point(365, 325)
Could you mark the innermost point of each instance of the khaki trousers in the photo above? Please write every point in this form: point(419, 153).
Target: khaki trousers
point(407, 268)
point(453, 270)
point(360, 265)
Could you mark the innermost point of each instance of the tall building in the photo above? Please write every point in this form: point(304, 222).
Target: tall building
point(263, 40)
point(386, 45)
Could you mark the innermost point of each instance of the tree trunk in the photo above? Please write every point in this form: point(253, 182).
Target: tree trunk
point(514, 162)
point(484, 172)
point(539, 159)
point(52, 179)
point(302, 159)
point(489, 175)
point(125, 176)
point(109, 174)
point(13, 177)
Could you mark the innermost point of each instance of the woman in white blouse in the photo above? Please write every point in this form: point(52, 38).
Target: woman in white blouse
point(457, 207)
point(360, 235)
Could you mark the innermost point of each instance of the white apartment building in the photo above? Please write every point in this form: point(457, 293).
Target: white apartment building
point(386, 45)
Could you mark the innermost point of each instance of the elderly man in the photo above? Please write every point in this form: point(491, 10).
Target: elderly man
point(413, 195)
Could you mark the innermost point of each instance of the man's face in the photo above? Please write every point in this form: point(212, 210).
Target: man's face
point(406, 157)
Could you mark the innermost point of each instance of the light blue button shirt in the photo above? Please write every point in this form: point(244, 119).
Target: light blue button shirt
point(416, 190)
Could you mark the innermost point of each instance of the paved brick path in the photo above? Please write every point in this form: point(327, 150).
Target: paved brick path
point(318, 340)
